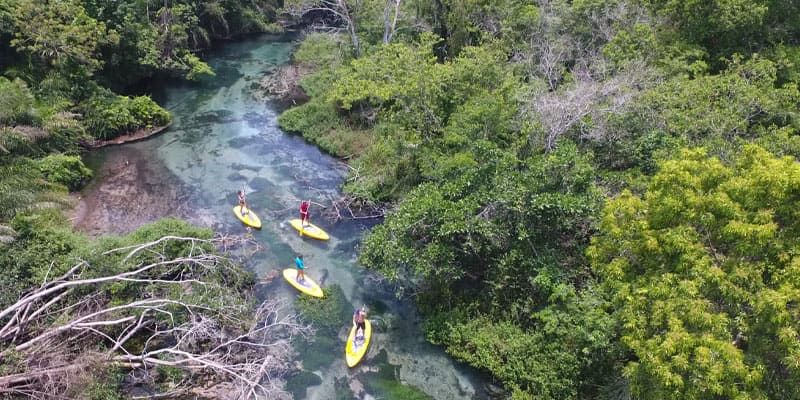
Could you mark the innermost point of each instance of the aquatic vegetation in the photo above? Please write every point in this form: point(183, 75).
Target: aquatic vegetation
point(328, 314)
point(384, 383)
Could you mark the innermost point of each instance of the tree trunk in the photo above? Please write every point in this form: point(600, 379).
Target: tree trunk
point(351, 27)
point(390, 26)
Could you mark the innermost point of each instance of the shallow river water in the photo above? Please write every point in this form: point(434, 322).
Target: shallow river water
point(223, 139)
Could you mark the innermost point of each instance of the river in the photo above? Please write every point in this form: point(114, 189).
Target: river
point(223, 139)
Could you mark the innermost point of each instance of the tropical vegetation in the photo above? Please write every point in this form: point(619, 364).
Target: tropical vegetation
point(161, 310)
point(591, 199)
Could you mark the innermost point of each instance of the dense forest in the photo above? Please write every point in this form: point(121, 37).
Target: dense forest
point(593, 199)
point(589, 199)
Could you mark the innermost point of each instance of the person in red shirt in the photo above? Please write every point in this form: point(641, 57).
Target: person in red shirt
point(304, 206)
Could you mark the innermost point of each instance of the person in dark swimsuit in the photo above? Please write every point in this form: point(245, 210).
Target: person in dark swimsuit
point(242, 203)
point(359, 318)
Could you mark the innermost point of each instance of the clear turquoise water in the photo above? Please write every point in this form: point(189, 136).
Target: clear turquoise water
point(222, 140)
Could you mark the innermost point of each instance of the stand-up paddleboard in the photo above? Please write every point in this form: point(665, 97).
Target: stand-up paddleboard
point(309, 230)
point(249, 218)
point(354, 350)
point(307, 286)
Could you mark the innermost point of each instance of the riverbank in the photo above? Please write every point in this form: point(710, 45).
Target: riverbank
point(130, 189)
point(135, 136)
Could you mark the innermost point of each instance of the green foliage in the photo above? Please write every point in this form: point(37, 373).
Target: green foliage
point(386, 385)
point(45, 247)
point(571, 340)
point(328, 314)
point(169, 374)
point(722, 28)
point(701, 271)
point(321, 51)
point(16, 103)
point(720, 112)
point(197, 68)
point(13, 362)
point(23, 188)
point(102, 385)
point(107, 116)
point(64, 170)
point(425, 110)
point(638, 43)
point(787, 61)
point(396, 73)
point(502, 240)
point(489, 234)
point(61, 34)
point(467, 22)
point(726, 105)
point(506, 213)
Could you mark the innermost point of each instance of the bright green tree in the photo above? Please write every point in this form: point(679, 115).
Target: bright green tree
point(705, 276)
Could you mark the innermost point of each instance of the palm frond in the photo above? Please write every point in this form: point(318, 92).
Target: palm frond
point(22, 188)
point(31, 133)
point(20, 139)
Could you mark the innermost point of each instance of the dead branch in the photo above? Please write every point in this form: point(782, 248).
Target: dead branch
point(54, 333)
point(350, 208)
point(592, 99)
point(338, 8)
point(390, 25)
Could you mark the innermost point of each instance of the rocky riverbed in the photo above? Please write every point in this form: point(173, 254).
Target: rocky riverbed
point(129, 189)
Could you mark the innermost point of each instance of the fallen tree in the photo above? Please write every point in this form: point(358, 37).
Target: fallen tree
point(171, 307)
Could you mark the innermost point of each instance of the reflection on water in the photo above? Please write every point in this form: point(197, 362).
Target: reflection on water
point(223, 140)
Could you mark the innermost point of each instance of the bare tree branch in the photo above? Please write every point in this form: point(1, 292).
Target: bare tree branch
point(243, 350)
point(390, 25)
point(338, 8)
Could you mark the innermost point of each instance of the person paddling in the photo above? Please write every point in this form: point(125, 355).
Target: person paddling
point(304, 206)
point(242, 203)
point(359, 318)
point(298, 262)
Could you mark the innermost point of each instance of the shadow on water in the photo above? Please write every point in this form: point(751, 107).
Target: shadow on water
point(223, 140)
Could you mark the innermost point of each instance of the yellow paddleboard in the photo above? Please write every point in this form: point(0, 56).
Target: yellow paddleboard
point(308, 286)
point(249, 218)
point(309, 230)
point(354, 351)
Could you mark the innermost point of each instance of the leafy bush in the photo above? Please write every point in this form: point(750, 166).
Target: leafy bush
point(107, 116)
point(16, 103)
point(45, 246)
point(571, 341)
point(328, 314)
point(65, 170)
point(704, 277)
point(23, 188)
point(321, 50)
point(197, 68)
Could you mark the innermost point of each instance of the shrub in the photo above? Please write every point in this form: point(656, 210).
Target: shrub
point(320, 49)
point(108, 116)
point(16, 103)
point(65, 170)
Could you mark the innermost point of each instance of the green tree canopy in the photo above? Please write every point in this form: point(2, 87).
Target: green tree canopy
point(705, 275)
point(60, 33)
